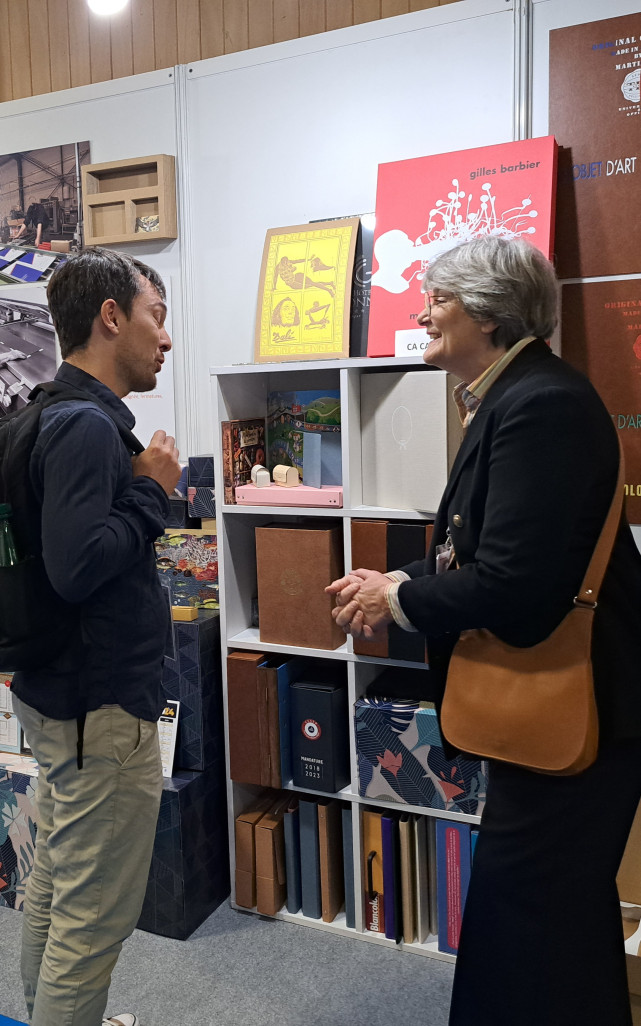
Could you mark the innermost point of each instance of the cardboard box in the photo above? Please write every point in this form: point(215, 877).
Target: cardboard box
point(294, 565)
point(387, 545)
point(408, 765)
point(189, 875)
point(410, 433)
point(60, 246)
point(192, 676)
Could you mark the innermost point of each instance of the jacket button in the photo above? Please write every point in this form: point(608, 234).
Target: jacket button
point(457, 520)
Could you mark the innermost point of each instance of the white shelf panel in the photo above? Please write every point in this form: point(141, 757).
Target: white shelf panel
point(403, 664)
point(332, 511)
point(388, 514)
point(315, 365)
point(345, 795)
point(380, 803)
point(429, 949)
point(250, 638)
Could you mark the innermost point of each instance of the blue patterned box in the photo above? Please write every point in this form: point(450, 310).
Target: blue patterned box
point(201, 471)
point(179, 516)
point(201, 502)
point(400, 759)
point(17, 833)
point(192, 676)
point(189, 875)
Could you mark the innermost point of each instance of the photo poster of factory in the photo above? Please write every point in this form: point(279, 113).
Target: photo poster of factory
point(29, 355)
point(427, 205)
point(40, 224)
point(595, 116)
point(43, 187)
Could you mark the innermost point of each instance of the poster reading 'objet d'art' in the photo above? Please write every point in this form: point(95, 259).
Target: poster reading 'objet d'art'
point(595, 115)
point(304, 292)
point(427, 205)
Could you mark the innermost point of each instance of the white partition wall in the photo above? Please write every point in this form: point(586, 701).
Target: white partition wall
point(125, 118)
point(294, 132)
point(290, 133)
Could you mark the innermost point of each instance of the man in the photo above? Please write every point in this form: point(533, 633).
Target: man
point(90, 715)
point(35, 228)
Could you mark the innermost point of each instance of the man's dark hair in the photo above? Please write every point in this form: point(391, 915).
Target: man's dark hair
point(79, 287)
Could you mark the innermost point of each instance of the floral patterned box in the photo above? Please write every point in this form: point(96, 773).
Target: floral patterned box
point(400, 758)
point(17, 828)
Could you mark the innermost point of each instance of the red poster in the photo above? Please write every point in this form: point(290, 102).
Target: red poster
point(427, 205)
point(601, 336)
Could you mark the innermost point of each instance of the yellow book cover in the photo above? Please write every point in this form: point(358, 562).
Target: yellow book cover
point(373, 871)
point(304, 292)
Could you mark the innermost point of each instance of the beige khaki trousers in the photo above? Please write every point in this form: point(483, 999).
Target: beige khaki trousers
point(96, 828)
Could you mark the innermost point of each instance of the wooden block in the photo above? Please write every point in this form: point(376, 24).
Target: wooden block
point(184, 613)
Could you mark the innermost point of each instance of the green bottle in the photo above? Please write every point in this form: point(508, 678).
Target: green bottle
point(8, 551)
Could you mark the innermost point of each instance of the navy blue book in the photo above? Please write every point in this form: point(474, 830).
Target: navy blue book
point(309, 859)
point(391, 878)
point(291, 824)
point(348, 867)
point(319, 735)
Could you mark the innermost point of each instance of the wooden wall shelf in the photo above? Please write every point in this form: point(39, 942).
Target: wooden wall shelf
point(116, 194)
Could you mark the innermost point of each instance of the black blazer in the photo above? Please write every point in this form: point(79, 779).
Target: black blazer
point(524, 504)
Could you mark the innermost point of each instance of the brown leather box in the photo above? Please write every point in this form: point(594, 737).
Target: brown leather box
point(294, 565)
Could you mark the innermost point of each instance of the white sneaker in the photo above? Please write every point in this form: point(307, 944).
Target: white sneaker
point(123, 1019)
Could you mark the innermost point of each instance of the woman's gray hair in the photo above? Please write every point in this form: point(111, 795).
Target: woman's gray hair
point(504, 280)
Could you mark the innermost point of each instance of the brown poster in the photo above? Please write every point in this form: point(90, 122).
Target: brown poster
point(595, 115)
point(601, 336)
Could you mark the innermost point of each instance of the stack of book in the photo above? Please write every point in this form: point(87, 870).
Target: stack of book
point(288, 722)
point(294, 853)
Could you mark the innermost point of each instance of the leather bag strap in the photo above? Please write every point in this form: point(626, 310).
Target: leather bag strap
point(595, 572)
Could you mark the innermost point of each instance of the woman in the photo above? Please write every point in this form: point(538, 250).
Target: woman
point(541, 942)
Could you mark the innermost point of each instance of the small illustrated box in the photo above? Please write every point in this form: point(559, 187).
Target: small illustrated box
point(193, 678)
point(294, 565)
point(189, 875)
point(319, 735)
point(187, 564)
point(304, 431)
point(400, 758)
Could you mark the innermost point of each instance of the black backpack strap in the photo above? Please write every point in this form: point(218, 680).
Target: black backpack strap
point(58, 392)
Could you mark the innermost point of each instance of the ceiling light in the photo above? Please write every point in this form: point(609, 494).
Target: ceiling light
point(107, 6)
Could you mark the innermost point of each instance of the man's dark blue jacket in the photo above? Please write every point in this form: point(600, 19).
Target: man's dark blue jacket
point(99, 523)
